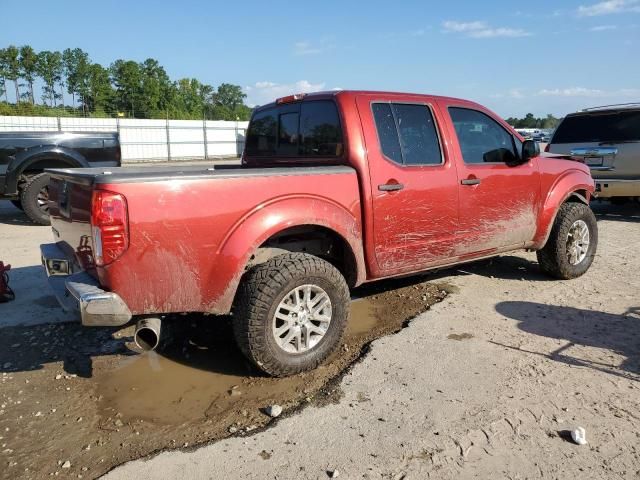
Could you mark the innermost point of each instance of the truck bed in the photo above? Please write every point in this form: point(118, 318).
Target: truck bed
point(190, 227)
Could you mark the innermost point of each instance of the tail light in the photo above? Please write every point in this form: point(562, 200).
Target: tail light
point(109, 225)
point(546, 147)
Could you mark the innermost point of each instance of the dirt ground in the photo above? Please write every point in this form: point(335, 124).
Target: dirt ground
point(486, 384)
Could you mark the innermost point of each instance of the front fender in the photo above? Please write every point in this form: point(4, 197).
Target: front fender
point(24, 159)
point(565, 186)
point(266, 220)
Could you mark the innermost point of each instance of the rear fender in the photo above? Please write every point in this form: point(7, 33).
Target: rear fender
point(263, 222)
point(26, 158)
point(572, 184)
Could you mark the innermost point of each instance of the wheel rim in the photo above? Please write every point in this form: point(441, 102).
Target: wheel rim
point(302, 319)
point(43, 200)
point(578, 240)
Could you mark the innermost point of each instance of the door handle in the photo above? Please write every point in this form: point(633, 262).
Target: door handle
point(390, 187)
point(470, 181)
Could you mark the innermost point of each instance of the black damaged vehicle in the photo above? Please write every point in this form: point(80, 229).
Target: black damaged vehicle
point(25, 155)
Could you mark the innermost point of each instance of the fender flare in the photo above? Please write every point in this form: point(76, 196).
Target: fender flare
point(265, 221)
point(566, 186)
point(23, 160)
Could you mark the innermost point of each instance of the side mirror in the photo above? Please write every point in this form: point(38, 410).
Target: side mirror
point(530, 149)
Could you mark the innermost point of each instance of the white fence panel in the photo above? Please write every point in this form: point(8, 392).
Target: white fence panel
point(143, 139)
point(28, 124)
point(147, 139)
point(187, 138)
point(74, 124)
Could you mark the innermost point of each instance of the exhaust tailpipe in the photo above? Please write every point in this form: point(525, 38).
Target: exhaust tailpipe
point(147, 334)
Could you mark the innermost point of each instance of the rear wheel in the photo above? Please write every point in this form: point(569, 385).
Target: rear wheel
point(572, 244)
point(34, 198)
point(291, 313)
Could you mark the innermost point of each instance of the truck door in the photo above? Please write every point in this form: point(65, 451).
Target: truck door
point(413, 184)
point(499, 196)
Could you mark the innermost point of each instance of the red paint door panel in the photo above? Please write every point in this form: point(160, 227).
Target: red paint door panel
point(413, 183)
point(499, 196)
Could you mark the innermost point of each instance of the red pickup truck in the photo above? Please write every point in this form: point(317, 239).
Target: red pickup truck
point(335, 189)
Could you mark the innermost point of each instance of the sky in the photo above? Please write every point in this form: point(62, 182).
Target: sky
point(513, 56)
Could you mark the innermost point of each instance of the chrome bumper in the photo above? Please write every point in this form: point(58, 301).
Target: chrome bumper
point(80, 292)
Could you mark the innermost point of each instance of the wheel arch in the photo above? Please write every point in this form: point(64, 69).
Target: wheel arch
point(286, 225)
point(574, 186)
point(38, 159)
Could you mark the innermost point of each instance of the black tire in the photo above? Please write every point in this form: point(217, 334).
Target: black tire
point(17, 204)
point(553, 257)
point(259, 295)
point(34, 197)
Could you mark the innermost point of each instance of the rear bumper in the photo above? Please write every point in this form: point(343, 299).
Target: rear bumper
point(80, 292)
point(606, 188)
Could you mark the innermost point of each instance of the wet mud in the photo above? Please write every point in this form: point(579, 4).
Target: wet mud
point(86, 397)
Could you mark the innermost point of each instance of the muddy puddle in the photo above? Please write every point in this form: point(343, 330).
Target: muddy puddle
point(157, 388)
point(99, 407)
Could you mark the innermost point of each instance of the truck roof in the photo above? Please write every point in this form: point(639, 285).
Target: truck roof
point(609, 108)
point(352, 93)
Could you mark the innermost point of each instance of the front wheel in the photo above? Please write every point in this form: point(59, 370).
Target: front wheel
point(291, 313)
point(572, 244)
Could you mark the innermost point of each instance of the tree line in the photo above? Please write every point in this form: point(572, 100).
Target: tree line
point(70, 83)
point(529, 121)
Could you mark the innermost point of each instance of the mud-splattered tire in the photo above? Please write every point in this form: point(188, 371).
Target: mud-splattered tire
point(34, 197)
point(557, 258)
point(263, 292)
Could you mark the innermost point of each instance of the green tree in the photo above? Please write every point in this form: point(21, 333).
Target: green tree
point(189, 102)
point(100, 91)
point(49, 68)
point(127, 78)
point(230, 96)
point(3, 74)
point(12, 59)
point(28, 68)
point(550, 122)
point(76, 71)
point(155, 87)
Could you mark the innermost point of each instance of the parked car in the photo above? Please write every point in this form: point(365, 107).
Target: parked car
point(25, 155)
point(335, 189)
point(607, 139)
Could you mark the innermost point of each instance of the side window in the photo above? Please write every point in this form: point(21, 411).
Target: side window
point(387, 132)
point(418, 137)
point(481, 138)
point(407, 133)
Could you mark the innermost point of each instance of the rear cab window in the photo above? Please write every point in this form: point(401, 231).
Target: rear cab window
point(407, 133)
point(307, 129)
point(609, 126)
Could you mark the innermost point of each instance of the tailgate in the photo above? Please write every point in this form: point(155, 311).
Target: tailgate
point(70, 211)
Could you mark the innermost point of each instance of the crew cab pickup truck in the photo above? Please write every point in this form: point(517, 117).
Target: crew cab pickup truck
point(25, 155)
point(334, 190)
